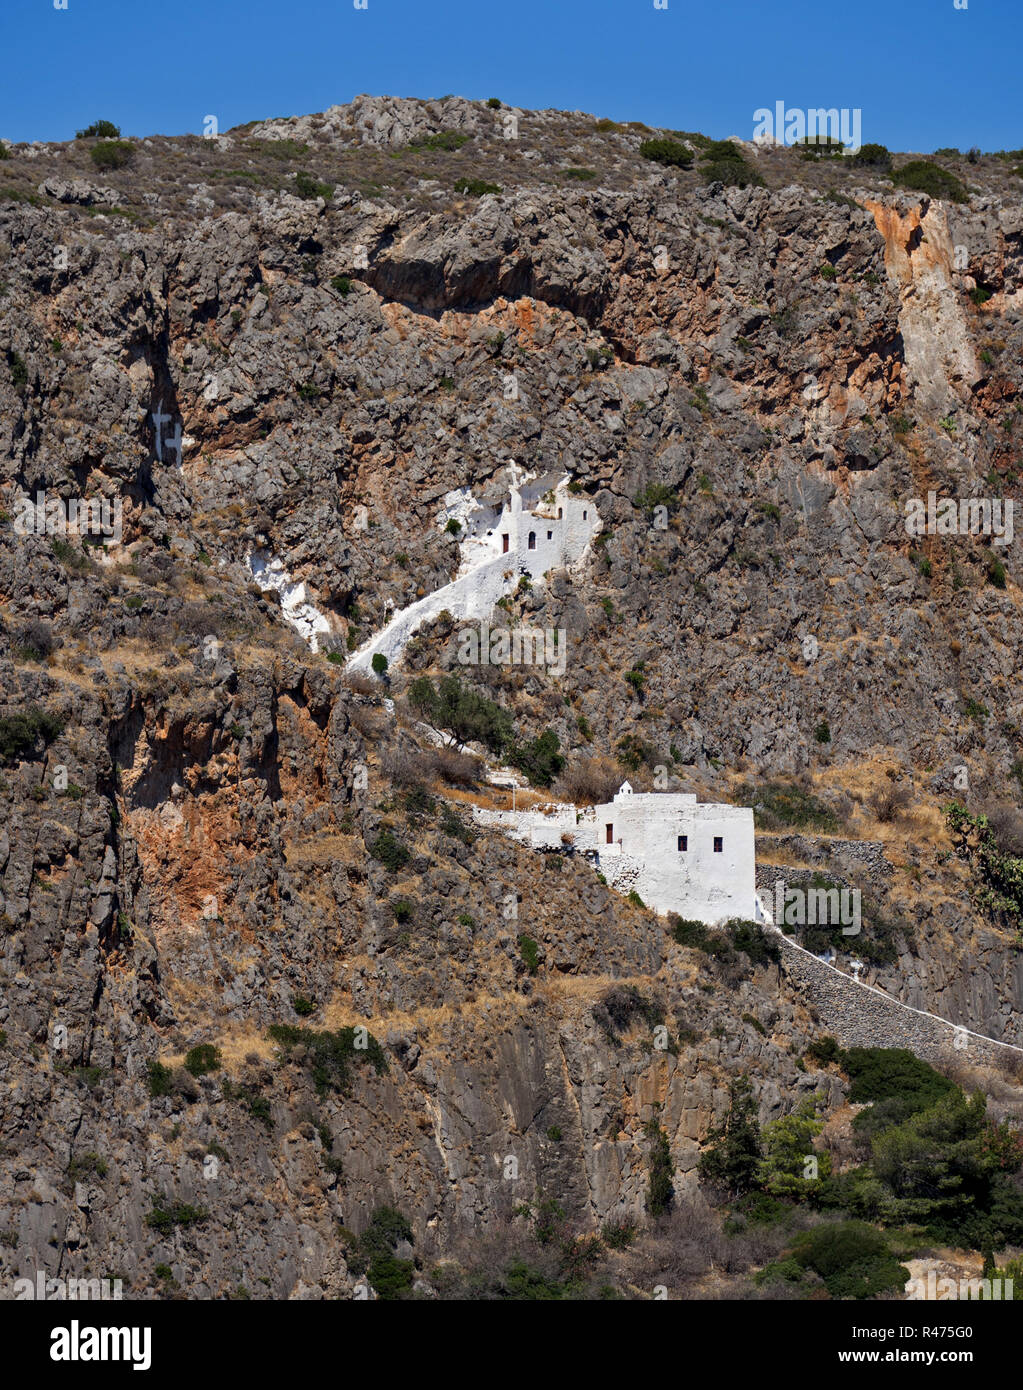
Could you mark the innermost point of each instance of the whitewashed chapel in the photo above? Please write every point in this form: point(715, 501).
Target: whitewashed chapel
point(679, 855)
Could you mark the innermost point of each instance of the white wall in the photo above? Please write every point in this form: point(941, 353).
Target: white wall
point(296, 609)
point(696, 882)
point(487, 572)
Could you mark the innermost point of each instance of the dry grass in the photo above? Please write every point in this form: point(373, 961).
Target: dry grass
point(423, 1022)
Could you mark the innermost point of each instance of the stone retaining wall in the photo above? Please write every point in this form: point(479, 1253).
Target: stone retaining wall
point(859, 1015)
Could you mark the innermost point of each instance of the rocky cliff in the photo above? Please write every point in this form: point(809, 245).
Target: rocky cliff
point(349, 316)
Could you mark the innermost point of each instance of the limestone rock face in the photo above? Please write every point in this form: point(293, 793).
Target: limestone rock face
point(77, 191)
point(920, 256)
point(296, 343)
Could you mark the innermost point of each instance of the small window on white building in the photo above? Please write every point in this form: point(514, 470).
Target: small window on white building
point(560, 513)
point(504, 543)
point(683, 843)
point(532, 540)
point(719, 844)
point(550, 535)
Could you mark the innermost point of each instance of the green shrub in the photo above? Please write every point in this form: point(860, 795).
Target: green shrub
point(670, 153)
point(530, 953)
point(391, 1278)
point(379, 663)
point(688, 932)
point(655, 495)
point(722, 161)
point(104, 130)
point(476, 188)
point(307, 187)
point(852, 1258)
point(303, 1005)
point(618, 1235)
point(21, 734)
point(924, 177)
point(389, 851)
point(89, 1077)
point(202, 1059)
point(112, 154)
point(451, 824)
point(328, 1056)
point(444, 140)
point(258, 1107)
point(373, 1253)
point(824, 1050)
point(733, 173)
point(777, 804)
point(19, 371)
point(88, 1163)
point(418, 801)
point(580, 175)
point(884, 1073)
point(539, 759)
point(660, 1190)
point(733, 1149)
point(994, 569)
point(159, 1079)
point(873, 156)
point(454, 526)
point(342, 284)
point(166, 1215)
point(403, 911)
point(494, 103)
point(753, 941)
point(822, 733)
point(787, 1271)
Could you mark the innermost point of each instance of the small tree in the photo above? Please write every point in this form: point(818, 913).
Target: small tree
point(202, 1059)
point(422, 696)
point(379, 663)
point(788, 1144)
point(734, 1148)
point(873, 156)
point(111, 154)
point(103, 130)
point(668, 152)
point(660, 1189)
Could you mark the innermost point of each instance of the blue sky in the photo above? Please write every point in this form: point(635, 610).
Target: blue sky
point(923, 73)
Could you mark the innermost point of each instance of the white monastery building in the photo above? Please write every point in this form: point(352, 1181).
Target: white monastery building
point(679, 855)
point(540, 526)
